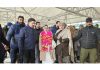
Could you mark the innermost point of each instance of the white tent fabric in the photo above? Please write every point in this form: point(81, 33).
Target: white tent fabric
point(49, 15)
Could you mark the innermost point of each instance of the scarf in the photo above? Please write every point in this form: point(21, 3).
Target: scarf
point(46, 41)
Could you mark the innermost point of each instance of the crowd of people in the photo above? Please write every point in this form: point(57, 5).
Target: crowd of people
point(60, 43)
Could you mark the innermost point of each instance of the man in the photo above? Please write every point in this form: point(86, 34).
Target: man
point(55, 27)
point(37, 52)
point(13, 36)
point(54, 30)
point(27, 41)
point(89, 37)
point(79, 42)
point(5, 30)
point(2, 49)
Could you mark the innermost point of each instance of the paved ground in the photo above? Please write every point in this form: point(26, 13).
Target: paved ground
point(7, 60)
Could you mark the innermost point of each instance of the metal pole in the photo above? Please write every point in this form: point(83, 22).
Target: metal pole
point(66, 18)
point(15, 14)
point(7, 17)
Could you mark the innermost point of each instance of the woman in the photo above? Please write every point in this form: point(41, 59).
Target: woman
point(46, 46)
point(64, 44)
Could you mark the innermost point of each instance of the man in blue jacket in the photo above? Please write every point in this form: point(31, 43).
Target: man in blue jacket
point(55, 27)
point(13, 36)
point(27, 41)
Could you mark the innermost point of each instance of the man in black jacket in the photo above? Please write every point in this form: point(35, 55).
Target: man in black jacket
point(89, 39)
point(2, 49)
point(37, 52)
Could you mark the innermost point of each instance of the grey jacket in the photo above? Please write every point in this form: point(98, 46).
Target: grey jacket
point(89, 37)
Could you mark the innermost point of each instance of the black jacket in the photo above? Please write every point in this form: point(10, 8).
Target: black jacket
point(38, 31)
point(89, 37)
point(2, 40)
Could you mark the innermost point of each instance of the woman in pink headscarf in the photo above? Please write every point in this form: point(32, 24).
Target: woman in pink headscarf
point(46, 46)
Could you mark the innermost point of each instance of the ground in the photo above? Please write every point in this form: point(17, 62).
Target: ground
point(7, 60)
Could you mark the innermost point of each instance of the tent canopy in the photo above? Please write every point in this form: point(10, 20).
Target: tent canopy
point(49, 15)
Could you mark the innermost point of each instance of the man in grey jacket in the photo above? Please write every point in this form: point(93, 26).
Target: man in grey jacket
point(89, 38)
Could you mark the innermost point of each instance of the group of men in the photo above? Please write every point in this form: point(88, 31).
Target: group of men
point(24, 41)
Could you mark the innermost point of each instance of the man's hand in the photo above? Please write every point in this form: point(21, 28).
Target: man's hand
point(6, 47)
